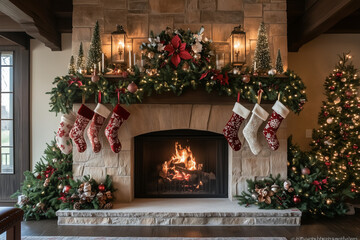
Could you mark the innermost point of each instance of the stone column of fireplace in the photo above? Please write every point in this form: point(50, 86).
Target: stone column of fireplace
point(147, 118)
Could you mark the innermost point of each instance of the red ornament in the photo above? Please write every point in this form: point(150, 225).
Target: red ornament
point(332, 88)
point(132, 87)
point(296, 199)
point(101, 187)
point(348, 93)
point(305, 171)
point(246, 78)
point(177, 51)
point(95, 78)
point(66, 189)
point(339, 74)
point(355, 146)
point(326, 114)
point(327, 163)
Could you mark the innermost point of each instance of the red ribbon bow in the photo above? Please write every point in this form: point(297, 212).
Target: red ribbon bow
point(177, 50)
point(75, 80)
point(318, 184)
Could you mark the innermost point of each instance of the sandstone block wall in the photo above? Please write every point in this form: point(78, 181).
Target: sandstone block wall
point(219, 17)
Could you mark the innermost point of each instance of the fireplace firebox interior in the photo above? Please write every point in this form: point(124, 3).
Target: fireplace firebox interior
point(181, 164)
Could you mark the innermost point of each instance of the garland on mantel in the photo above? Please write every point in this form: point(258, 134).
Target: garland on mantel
point(175, 61)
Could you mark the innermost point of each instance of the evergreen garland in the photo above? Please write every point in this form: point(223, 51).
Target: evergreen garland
point(262, 50)
point(279, 65)
point(94, 56)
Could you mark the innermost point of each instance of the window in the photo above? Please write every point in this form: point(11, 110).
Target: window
point(6, 116)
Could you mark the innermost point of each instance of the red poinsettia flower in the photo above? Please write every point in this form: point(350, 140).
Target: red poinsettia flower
point(177, 50)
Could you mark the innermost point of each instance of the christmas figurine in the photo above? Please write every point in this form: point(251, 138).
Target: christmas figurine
point(100, 115)
point(84, 116)
point(62, 136)
point(118, 116)
point(280, 112)
point(231, 129)
point(259, 115)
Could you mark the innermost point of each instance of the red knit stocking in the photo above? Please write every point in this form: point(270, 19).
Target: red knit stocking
point(118, 116)
point(77, 132)
point(231, 129)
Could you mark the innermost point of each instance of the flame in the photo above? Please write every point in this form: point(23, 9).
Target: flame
point(181, 161)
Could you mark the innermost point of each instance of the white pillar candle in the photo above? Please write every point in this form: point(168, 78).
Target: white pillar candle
point(217, 61)
point(100, 67)
point(134, 59)
point(255, 66)
point(103, 62)
point(129, 59)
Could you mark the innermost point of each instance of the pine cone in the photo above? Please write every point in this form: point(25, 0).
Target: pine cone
point(108, 205)
point(77, 206)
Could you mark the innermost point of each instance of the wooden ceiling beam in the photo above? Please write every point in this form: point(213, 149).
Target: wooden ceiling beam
point(317, 19)
point(36, 18)
point(19, 38)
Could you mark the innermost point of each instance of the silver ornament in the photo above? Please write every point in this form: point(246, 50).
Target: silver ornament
point(287, 184)
point(272, 72)
point(275, 188)
point(255, 196)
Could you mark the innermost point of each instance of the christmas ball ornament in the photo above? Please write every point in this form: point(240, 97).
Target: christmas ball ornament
point(296, 199)
point(329, 120)
point(272, 72)
point(66, 189)
point(132, 87)
point(339, 109)
point(40, 205)
point(46, 183)
point(343, 80)
point(255, 196)
point(246, 78)
point(305, 171)
point(101, 187)
point(255, 74)
point(60, 186)
point(95, 78)
point(291, 189)
point(275, 188)
point(151, 55)
point(329, 201)
point(337, 100)
point(197, 56)
point(54, 160)
point(338, 74)
point(287, 184)
point(53, 149)
point(348, 93)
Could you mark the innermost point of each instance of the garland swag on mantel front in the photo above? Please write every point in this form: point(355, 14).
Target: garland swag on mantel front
point(176, 60)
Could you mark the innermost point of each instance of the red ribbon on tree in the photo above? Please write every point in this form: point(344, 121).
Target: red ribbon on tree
point(99, 97)
point(75, 80)
point(177, 51)
point(318, 185)
point(49, 171)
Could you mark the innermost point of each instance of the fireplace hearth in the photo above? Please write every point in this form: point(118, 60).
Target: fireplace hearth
point(181, 164)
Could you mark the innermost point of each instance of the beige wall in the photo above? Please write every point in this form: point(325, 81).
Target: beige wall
point(45, 66)
point(313, 63)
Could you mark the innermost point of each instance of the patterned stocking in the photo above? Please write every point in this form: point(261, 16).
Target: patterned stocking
point(77, 132)
point(101, 113)
point(259, 115)
point(280, 112)
point(118, 116)
point(231, 129)
point(62, 136)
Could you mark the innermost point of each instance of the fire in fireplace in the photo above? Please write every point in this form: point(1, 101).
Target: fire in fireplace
point(181, 163)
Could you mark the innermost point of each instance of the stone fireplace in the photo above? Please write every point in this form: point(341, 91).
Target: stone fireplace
point(207, 119)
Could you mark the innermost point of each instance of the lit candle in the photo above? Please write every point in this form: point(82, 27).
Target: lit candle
point(129, 59)
point(254, 66)
point(103, 62)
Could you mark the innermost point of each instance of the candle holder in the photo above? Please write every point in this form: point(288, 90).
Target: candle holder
point(238, 46)
point(118, 46)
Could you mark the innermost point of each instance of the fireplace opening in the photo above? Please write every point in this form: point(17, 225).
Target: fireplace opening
point(181, 163)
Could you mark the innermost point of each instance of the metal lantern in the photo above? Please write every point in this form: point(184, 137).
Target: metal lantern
point(118, 45)
point(238, 46)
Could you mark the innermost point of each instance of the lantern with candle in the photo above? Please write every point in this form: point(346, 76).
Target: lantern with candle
point(238, 46)
point(118, 49)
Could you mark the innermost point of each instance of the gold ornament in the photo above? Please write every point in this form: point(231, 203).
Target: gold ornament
point(337, 100)
point(291, 189)
point(46, 183)
point(151, 55)
point(329, 120)
point(60, 186)
point(185, 66)
point(275, 188)
point(287, 185)
point(329, 201)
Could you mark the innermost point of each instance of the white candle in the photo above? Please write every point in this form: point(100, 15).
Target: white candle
point(217, 62)
point(103, 62)
point(129, 59)
point(100, 67)
point(134, 59)
point(255, 66)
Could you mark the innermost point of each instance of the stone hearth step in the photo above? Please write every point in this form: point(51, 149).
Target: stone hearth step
point(181, 212)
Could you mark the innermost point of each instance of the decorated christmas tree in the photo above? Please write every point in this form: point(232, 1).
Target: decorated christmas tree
point(80, 64)
point(261, 61)
point(336, 143)
point(40, 192)
point(279, 65)
point(94, 56)
point(315, 192)
point(72, 69)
